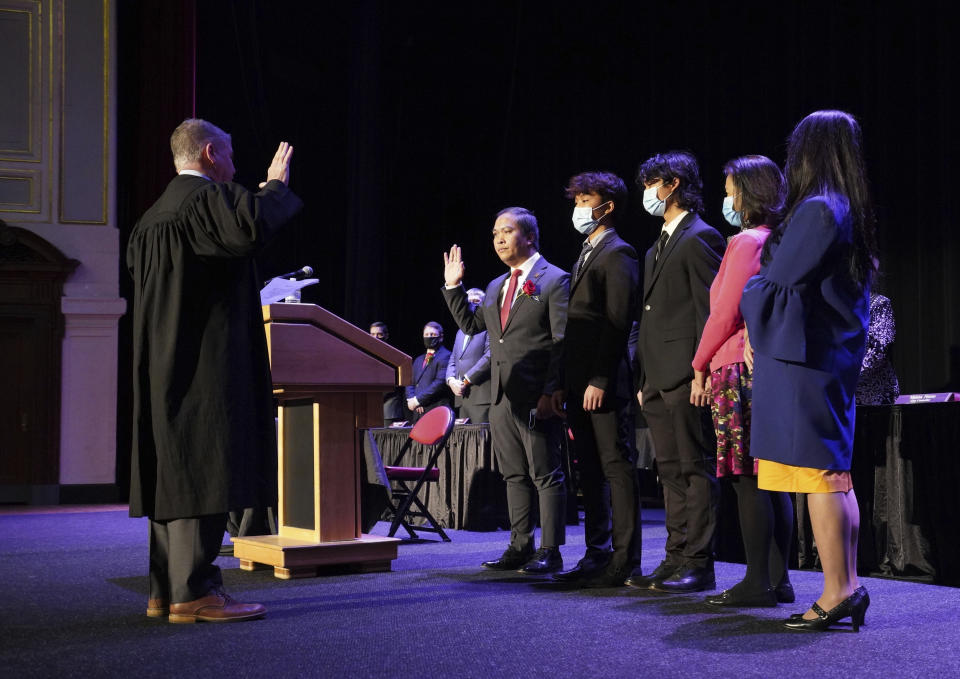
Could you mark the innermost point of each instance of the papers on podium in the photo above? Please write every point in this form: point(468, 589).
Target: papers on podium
point(280, 288)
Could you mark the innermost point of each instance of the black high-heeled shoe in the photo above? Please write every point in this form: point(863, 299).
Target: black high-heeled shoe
point(853, 607)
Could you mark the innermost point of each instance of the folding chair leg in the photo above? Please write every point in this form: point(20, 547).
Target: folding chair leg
point(433, 521)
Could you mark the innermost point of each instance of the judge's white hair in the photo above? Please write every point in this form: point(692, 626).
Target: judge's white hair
point(191, 136)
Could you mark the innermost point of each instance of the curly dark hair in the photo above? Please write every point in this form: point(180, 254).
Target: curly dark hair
point(825, 158)
point(672, 165)
point(605, 184)
point(762, 189)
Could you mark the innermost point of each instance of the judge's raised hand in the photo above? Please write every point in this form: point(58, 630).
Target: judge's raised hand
point(280, 165)
point(453, 266)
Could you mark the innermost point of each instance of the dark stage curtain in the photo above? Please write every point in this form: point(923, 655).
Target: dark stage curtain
point(415, 122)
point(156, 48)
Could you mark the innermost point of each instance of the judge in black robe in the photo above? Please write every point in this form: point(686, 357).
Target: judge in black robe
point(204, 440)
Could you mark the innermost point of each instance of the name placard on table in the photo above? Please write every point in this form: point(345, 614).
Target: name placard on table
point(942, 397)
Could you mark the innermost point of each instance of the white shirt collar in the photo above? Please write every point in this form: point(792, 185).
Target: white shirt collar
point(195, 173)
point(526, 267)
point(672, 225)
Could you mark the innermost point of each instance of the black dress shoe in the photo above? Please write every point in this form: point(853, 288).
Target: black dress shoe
point(640, 581)
point(611, 576)
point(784, 592)
point(585, 568)
point(688, 579)
point(544, 560)
point(511, 560)
point(731, 597)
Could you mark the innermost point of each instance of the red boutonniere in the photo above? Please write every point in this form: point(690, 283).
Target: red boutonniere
point(530, 290)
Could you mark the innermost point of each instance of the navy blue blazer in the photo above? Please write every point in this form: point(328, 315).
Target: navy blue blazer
point(807, 322)
point(430, 383)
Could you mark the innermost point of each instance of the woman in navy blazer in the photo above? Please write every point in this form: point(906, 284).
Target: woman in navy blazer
point(806, 313)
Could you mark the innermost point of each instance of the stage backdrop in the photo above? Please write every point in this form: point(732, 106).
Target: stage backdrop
point(415, 122)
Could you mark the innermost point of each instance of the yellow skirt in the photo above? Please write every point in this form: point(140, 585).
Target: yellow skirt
point(786, 478)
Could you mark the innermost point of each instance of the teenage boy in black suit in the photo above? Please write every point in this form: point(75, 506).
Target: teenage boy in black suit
point(678, 272)
point(599, 386)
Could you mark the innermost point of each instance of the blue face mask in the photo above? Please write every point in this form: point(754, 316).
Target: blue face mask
point(732, 216)
point(583, 220)
point(652, 204)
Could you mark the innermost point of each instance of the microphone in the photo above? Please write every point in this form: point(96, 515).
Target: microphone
point(305, 272)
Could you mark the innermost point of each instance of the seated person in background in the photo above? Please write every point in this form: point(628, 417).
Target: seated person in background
point(429, 388)
point(878, 382)
point(468, 372)
point(393, 401)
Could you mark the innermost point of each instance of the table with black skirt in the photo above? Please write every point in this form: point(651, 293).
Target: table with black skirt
point(470, 494)
point(906, 473)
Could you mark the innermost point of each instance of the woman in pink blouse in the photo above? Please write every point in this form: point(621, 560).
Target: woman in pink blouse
point(754, 202)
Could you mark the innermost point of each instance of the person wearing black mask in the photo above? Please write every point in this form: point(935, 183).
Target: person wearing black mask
point(429, 388)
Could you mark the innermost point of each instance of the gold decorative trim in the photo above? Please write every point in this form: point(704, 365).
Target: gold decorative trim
point(23, 176)
point(105, 5)
point(34, 25)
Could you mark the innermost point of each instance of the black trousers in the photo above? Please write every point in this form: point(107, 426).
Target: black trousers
point(608, 480)
point(182, 552)
point(530, 461)
point(685, 445)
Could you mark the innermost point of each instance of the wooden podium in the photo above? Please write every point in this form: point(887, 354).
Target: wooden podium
point(329, 377)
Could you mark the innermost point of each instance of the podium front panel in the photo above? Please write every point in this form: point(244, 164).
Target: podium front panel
point(298, 467)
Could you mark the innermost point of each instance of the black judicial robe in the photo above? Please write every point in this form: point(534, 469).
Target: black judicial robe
point(204, 438)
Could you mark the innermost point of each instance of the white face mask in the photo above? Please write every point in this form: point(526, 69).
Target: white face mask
point(652, 204)
point(583, 220)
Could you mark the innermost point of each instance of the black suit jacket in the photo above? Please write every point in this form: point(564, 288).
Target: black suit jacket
point(603, 299)
point(525, 357)
point(676, 302)
point(429, 384)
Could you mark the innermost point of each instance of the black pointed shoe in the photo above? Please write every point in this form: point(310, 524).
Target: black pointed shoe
point(611, 576)
point(544, 560)
point(733, 598)
point(784, 592)
point(586, 567)
point(688, 579)
point(640, 581)
point(510, 560)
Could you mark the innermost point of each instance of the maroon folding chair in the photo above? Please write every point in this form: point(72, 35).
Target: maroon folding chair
point(433, 429)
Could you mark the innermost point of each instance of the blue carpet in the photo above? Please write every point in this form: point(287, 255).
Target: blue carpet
point(73, 590)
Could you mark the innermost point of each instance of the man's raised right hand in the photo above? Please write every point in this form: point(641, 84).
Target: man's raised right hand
point(453, 267)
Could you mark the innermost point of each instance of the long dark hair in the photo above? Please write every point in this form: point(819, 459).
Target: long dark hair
point(761, 187)
point(825, 158)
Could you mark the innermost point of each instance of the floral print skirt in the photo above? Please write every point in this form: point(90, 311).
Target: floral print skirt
point(732, 387)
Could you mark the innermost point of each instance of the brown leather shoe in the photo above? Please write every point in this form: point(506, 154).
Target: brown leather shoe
point(157, 608)
point(217, 606)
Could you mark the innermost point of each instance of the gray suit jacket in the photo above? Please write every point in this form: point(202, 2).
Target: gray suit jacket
point(472, 361)
point(526, 355)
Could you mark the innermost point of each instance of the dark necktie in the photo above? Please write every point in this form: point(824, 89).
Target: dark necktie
point(508, 298)
point(587, 247)
point(662, 243)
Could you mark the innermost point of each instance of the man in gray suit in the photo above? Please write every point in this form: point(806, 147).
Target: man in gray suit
point(525, 314)
point(468, 372)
